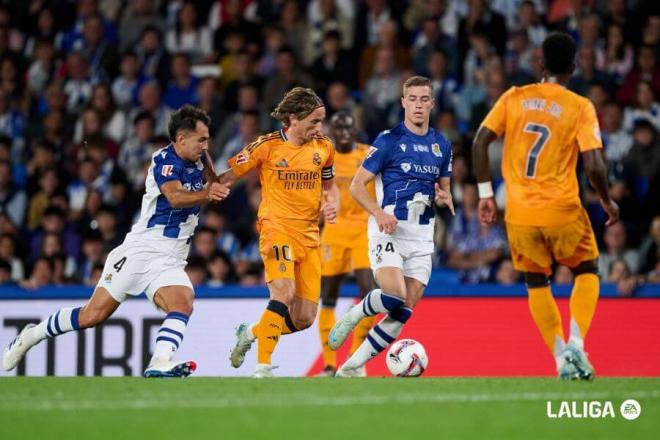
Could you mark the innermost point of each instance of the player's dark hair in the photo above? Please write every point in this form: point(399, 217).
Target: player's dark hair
point(416, 81)
point(559, 53)
point(299, 102)
point(186, 119)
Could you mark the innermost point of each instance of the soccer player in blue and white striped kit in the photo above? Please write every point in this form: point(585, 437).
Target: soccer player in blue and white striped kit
point(153, 256)
point(411, 165)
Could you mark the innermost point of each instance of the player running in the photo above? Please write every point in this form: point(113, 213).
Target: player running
point(344, 244)
point(297, 182)
point(153, 255)
point(412, 165)
point(544, 127)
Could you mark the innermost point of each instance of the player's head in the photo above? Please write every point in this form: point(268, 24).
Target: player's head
point(559, 54)
point(342, 131)
point(189, 131)
point(301, 112)
point(417, 100)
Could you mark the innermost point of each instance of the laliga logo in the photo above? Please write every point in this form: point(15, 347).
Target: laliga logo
point(630, 409)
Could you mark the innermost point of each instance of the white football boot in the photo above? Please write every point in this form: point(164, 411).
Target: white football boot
point(346, 371)
point(164, 368)
point(341, 330)
point(16, 350)
point(578, 358)
point(263, 370)
point(243, 345)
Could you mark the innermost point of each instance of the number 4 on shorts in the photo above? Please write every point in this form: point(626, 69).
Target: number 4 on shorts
point(119, 264)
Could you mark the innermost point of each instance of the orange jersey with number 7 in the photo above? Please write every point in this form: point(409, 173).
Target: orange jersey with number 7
point(544, 126)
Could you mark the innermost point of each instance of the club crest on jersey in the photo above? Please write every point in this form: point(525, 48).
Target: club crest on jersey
point(405, 167)
point(242, 158)
point(167, 170)
point(282, 267)
point(435, 148)
point(316, 159)
point(403, 147)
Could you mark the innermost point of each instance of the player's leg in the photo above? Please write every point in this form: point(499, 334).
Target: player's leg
point(584, 297)
point(305, 303)
point(177, 301)
point(329, 294)
point(365, 282)
point(387, 263)
point(99, 307)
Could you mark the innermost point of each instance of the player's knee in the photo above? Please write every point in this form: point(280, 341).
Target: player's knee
point(590, 266)
point(304, 321)
point(535, 280)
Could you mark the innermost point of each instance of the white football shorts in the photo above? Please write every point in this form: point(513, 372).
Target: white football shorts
point(413, 257)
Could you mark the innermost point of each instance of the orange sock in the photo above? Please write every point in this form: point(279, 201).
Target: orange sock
point(546, 316)
point(361, 331)
point(582, 304)
point(269, 330)
point(326, 321)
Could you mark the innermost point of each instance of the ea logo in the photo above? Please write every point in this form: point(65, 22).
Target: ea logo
point(630, 409)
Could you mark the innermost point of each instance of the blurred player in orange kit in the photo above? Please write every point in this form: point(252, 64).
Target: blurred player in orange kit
point(545, 126)
point(344, 244)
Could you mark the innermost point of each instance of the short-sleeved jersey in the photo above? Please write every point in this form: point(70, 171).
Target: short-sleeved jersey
point(161, 225)
point(544, 127)
point(352, 218)
point(291, 182)
point(407, 166)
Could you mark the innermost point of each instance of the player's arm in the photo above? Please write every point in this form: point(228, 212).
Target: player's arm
point(481, 164)
point(596, 170)
point(386, 222)
point(227, 177)
point(443, 194)
point(208, 173)
point(179, 197)
point(330, 203)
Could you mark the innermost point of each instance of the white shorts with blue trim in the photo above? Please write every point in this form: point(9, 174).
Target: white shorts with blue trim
point(413, 257)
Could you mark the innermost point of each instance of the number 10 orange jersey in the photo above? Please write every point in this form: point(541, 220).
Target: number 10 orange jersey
point(545, 126)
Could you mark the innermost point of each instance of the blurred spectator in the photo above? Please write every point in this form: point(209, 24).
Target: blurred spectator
point(645, 70)
point(333, 64)
point(248, 101)
point(474, 248)
point(204, 242)
point(196, 270)
point(152, 56)
point(244, 75)
point(616, 140)
point(295, 30)
point(43, 67)
point(253, 276)
point(506, 274)
point(431, 40)
point(98, 49)
point(288, 76)
point(225, 241)
point(54, 221)
point(45, 30)
point(587, 72)
point(112, 121)
point(274, 40)
point(563, 275)
point(208, 99)
point(137, 149)
point(41, 274)
point(230, 18)
point(645, 107)
point(150, 101)
point(48, 184)
point(125, 86)
point(323, 17)
point(182, 88)
point(650, 250)
point(95, 276)
point(138, 16)
point(530, 22)
point(51, 246)
point(12, 125)
point(5, 273)
point(643, 163)
point(8, 255)
point(338, 98)
point(445, 85)
point(106, 224)
point(481, 19)
point(248, 132)
point(13, 200)
point(617, 57)
point(620, 274)
point(189, 36)
point(77, 82)
point(92, 256)
point(220, 270)
point(382, 93)
point(616, 248)
point(388, 40)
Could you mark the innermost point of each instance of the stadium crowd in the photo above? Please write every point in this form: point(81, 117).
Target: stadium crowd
point(86, 89)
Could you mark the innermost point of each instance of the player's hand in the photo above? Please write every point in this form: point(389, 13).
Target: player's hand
point(329, 211)
point(386, 222)
point(487, 210)
point(444, 198)
point(218, 192)
point(612, 210)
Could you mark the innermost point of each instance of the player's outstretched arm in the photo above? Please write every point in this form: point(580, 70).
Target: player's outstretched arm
point(481, 165)
point(179, 197)
point(208, 173)
point(227, 177)
point(594, 166)
point(386, 222)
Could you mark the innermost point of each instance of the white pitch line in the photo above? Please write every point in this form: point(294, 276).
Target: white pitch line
point(304, 400)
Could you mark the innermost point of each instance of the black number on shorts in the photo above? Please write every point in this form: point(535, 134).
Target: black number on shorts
point(389, 247)
point(285, 250)
point(119, 264)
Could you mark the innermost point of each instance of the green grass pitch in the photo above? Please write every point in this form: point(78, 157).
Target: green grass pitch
point(315, 409)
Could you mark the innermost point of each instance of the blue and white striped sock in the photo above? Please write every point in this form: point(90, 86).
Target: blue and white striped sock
point(60, 322)
point(379, 337)
point(375, 302)
point(170, 335)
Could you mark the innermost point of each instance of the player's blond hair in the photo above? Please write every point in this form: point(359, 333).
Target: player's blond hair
point(299, 102)
point(415, 81)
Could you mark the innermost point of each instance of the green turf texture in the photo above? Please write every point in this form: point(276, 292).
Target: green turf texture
point(315, 409)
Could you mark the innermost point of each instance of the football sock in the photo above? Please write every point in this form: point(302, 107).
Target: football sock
point(546, 316)
point(379, 337)
point(582, 304)
point(375, 302)
point(269, 330)
point(289, 326)
point(170, 335)
point(62, 321)
point(360, 333)
point(326, 321)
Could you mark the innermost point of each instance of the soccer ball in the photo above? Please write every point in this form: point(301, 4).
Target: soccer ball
point(407, 358)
